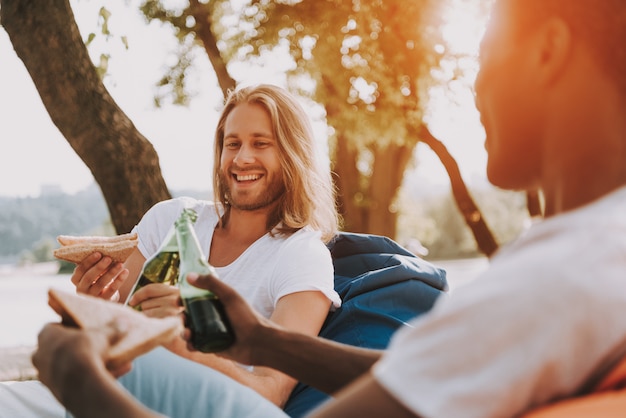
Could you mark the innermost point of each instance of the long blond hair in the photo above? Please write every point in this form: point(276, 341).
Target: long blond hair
point(309, 197)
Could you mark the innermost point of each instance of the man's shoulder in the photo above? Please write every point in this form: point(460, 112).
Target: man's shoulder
point(302, 236)
point(296, 244)
point(167, 211)
point(179, 203)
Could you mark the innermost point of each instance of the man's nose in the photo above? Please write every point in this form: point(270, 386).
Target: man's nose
point(245, 155)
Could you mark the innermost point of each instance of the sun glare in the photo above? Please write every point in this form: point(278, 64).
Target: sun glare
point(465, 24)
point(452, 115)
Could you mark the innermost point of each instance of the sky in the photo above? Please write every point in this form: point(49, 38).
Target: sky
point(35, 154)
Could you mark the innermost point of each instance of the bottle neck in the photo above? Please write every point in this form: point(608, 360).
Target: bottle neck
point(188, 244)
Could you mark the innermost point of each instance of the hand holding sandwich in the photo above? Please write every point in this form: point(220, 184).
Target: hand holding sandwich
point(99, 275)
point(68, 349)
point(71, 363)
point(99, 260)
point(80, 358)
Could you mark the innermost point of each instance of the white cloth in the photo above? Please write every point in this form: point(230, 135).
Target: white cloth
point(269, 269)
point(28, 399)
point(547, 315)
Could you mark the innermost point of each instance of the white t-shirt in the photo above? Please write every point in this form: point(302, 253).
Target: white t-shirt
point(547, 316)
point(269, 269)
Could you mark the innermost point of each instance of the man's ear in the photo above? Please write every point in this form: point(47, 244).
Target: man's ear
point(554, 49)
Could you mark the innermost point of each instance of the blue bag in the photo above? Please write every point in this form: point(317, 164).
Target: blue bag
point(382, 286)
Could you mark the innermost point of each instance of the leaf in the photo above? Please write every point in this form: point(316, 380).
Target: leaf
point(90, 39)
point(105, 14)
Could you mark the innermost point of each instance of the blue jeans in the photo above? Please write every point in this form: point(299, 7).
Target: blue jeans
point(180, 388)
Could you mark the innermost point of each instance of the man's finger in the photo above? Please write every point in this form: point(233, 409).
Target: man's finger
point(209, 282)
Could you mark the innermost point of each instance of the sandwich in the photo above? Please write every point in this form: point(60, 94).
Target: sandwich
point(140, 333)
point(75, 248)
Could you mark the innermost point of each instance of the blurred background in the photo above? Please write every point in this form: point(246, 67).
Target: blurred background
point(388, 86)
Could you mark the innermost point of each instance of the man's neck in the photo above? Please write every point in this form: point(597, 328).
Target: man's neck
point(245, 225)
point(590, 164)
point(585, 137)
point(242, 229)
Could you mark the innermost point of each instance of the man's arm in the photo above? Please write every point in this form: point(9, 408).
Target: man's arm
point(362, 399)
point(320, 363)
point(323, 364)
point(98, 395)
point(70, 362)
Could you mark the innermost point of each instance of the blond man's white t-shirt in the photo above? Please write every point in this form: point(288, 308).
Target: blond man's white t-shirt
point(272, 267)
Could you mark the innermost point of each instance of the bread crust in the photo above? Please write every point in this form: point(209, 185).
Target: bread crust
point(73, 239)
point(140, 333)
point(75, 248)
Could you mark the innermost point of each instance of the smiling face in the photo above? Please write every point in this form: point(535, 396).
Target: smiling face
point(509, 101)
point(250, 169)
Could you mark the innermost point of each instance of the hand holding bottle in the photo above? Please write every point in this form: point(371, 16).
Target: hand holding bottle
point(251, 330)
point(209, 325)
point(157, 300)
point(161, 267)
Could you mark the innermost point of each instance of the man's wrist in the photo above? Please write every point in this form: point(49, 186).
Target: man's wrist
point(266, 346)
point(80, 377)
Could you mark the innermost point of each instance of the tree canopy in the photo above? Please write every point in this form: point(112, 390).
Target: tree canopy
point(369, 64)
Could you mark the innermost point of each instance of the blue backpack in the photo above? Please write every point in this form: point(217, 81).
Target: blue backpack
point(382, 286)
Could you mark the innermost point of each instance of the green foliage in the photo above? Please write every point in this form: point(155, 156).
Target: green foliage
point(29, 226)
point(371, 64)
point(103, 20)
point(42, 250)
point(370, 61)
point(437, 223)
point(173, 87)
point(32, 224)
point(102, 64)
point(90, 39)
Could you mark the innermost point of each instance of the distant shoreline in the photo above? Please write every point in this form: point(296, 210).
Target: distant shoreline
point(29, 269)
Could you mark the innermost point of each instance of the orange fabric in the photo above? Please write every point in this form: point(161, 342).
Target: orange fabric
point(597, 405)
point(616, 379)
point(607, 401)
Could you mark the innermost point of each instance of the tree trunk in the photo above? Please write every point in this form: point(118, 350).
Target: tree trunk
point(350, 199)
point(389, 166)
point(123, 162)
point(474, 219)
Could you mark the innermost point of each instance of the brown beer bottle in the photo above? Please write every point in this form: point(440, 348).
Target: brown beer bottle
point(206, 318)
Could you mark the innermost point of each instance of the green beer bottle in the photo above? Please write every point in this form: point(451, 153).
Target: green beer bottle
point(161, 267)
point(206, 318)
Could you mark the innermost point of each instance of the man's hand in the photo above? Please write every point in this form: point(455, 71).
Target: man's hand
point(71, 362)
point(324, 364)
point(64, 353)
point(158, 300)
point(250, 328)
point(99, 276)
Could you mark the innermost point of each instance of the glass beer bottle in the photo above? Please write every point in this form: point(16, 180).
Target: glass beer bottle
point(206, 318)
point(161, 267)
